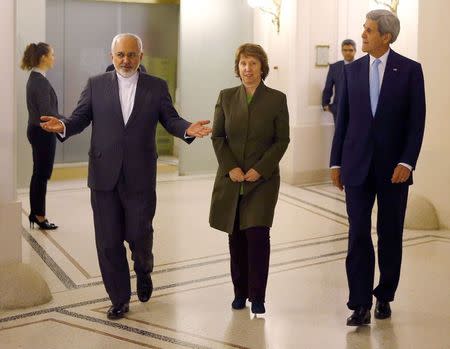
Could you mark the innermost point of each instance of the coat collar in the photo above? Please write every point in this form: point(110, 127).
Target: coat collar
point(390, 78)
point(114, 84)
point(139, 98)
point(258, 92)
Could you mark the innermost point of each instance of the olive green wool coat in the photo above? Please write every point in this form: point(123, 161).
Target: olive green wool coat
point(253, 135)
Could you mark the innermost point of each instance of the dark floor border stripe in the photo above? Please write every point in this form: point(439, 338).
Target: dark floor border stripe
point(134, 330)
point(314, 205)
point(322, 194)
point(332, 254)
point(221, 260)
point(184, 283)
point(54, 267)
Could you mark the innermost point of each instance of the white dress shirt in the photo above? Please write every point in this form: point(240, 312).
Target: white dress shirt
point(381, 69)
point(127, 93)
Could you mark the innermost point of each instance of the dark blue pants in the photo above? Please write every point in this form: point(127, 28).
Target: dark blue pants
point(360, 262)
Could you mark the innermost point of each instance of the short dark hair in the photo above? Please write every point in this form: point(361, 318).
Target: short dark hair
point(252, 50)
point(348, 42)
point(33, 54)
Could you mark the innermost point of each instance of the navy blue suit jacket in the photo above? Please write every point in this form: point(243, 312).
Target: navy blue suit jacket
point(334, 78)
point(395, 133)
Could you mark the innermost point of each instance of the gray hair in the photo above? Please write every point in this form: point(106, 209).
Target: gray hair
point(127, 35)
point(348, 42)
point(388, 23)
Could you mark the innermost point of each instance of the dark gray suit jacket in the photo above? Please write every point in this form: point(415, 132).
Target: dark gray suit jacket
point(41, 98)
point(130, 148)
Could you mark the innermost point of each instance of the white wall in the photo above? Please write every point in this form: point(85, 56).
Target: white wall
point(210, 32)
point(432, 176)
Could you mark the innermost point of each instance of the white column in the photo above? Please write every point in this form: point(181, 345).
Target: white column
point(10, 209)
point(15, 277)
point(432, 175)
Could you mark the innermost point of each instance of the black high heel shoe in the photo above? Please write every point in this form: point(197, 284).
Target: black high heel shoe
point(46, 225)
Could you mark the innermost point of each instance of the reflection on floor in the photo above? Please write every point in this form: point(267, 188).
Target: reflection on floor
point(190, 306)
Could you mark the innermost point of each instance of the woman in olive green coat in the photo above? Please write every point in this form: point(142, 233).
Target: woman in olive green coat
point(250, 135)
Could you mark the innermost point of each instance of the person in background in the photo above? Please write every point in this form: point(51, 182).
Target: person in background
point(41, 100)
point(335, 76)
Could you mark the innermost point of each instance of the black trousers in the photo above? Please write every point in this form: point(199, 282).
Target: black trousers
point(121, 215)
point(360, 262)
point(43, 146)
point(249, 262)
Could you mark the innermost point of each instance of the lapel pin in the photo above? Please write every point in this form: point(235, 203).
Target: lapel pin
point(395, 69)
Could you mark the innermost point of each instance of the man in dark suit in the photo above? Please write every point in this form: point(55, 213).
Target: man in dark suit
point(378, 136)
point(335, 76)
point(124, 107)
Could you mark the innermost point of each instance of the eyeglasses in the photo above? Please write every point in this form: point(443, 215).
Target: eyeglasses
point(129, 55)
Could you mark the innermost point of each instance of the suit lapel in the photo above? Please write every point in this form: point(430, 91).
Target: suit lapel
point(364, 83)
point(242, 105)
point(389, 79)
point(258, 93)
point(114, 86)
point(139, 98)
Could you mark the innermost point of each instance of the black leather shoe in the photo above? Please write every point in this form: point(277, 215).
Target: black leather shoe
point(144, 287)
point(382, 310)
point(45, 224)
point(117, 311)
point(238, 302)
point(258, 308)
point(360, 317)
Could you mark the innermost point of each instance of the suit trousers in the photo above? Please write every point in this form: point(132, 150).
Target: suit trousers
point(249, 262)
point(360, 261)
point(43, 146)
point(121, 215)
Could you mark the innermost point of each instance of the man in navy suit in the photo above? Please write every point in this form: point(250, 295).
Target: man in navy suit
point(124, 107)
point(378, 136)
point(335, 76)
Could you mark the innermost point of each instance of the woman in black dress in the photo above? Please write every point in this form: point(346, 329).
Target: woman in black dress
point(41, 100)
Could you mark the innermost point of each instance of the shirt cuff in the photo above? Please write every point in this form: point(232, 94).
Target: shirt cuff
point(63, 133)
point(334, 167)
point(186, 136)
point(409, 167)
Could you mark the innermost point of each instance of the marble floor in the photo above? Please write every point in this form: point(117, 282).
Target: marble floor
point(190, 306)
